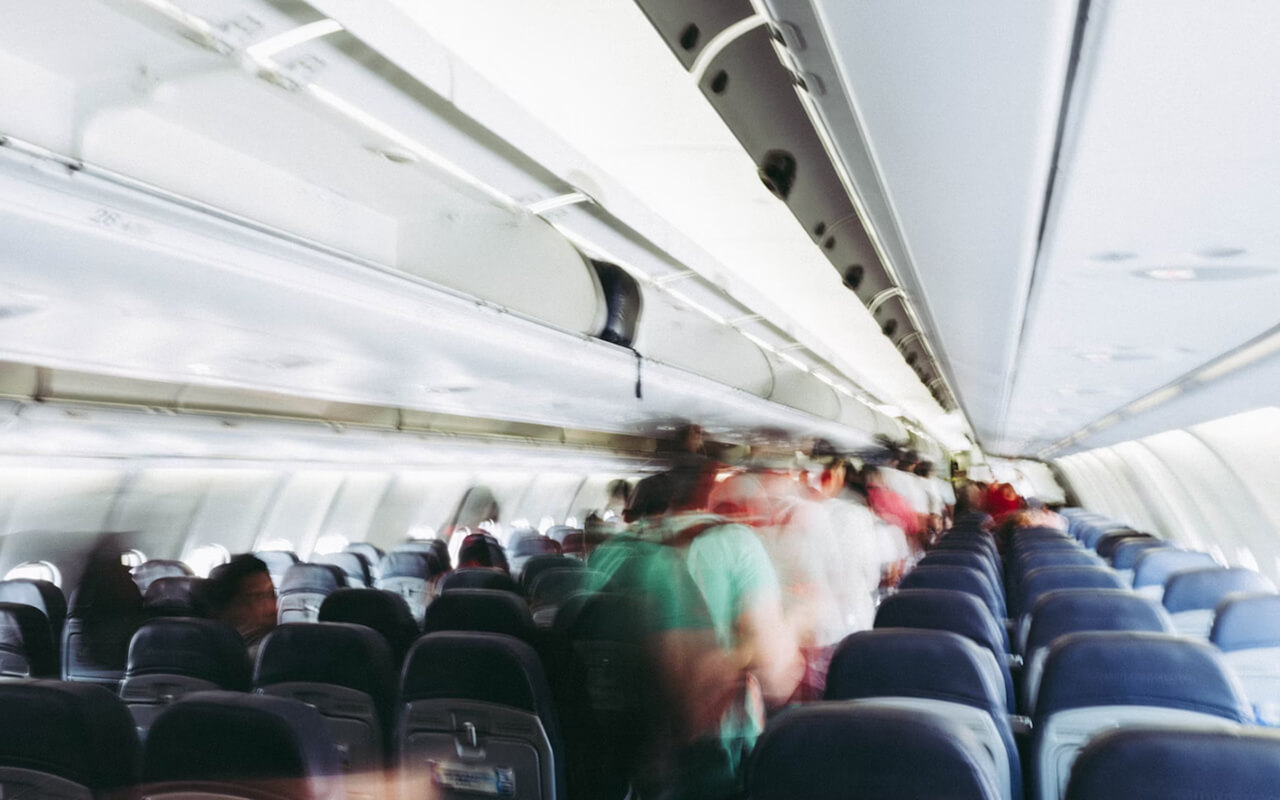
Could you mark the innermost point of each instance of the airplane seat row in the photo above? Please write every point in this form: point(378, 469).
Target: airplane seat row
point(152, 570)
point(1098, 681)
point(1246, 628)
point(302, 589)
point(1191, 596)
point(936, 671)
point(27, 647)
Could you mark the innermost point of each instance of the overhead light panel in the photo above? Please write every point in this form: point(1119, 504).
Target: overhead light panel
point(267, 48)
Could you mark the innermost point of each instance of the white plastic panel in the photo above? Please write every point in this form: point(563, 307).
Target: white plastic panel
point(352, 510)
point(36, 498)
point(157, 506)
point(549, 495)
point(232, 510)
point(299, 509)
point(1210, 487)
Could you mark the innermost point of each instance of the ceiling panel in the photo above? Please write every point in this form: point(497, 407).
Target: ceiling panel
point(1169, 168)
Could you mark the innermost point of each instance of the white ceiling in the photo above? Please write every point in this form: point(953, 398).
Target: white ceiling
point(1169, 162)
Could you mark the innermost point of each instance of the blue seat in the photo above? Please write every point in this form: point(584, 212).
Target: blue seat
point(963, 558)
point(1246, 628)
point(370, 553)
point(65, 740)
point(1155, 566)
point(1127, 553)
point(149, 571)
point(345, 672)
point(175, 656)
point(962, 579)
point(383, 611)
point(490, 610)
point(1023, 563)
point(26, 643)
point(551, 589)
point(1039, 582)
point(354, 566)
point(1108, 542)
point(1076, 611)
point(949, 610)
point(228, 744)
point(477, 578)
point(184, 596)
point(304, 587)
point(1191, 596)
point(1098, 681)
point(478, 705)
point(97, 651)
point(936, 671)
point(407, 574)
point(43, 596)
point(1177, 764)
point(536, 564)
point(277, 562)
point(436, 551)
point(835, 751)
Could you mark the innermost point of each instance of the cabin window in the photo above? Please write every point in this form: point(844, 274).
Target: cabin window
point(36, 570)
point(204, 558)
point(330, 543)
point(422, 532)
point(132, 558)
point(283, 545)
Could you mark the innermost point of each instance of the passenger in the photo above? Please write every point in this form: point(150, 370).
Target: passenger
point(1002, 500)
point(854, 567)
point(482, 550)
point(726, 652)
point(242, 595)
point(110, 605)
point(477, 510)
point(892, 508)
point(795, 527)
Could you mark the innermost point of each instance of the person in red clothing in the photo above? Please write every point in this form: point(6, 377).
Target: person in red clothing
point(1002, 500)
point(894, 509)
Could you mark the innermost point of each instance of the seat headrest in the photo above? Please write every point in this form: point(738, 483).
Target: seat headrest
point(1146, 669)
point(908, 662)
point(372, 552)
point(1126, 553)
point(482, 667)
point(436, 551)
point(1177, 763)
point(534, 546)
point(1247, 622)
point(385, 612)
point(1205, 588)
point(40, 595)
point(195, 648)
point(478, 578)
point(1108, 542)
point(950, 576)
point(229, 737)
point(963, 558)
point(353, 565)
point(941, 609)
point(1154, 566)
point(1064, 611)
point(337, 653)
point(277, 561)
point(77, 731)
point(188, 595)
point(491, 610)
point(1074, 557)
point(25, 633)
point(148, 571)
point(407, 565)
point(312, 578)
point(832, 751)
point(1039, 581)
point(554, 585)
point(536, 564)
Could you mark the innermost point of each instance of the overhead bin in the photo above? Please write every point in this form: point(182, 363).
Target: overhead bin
point(688, 27)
